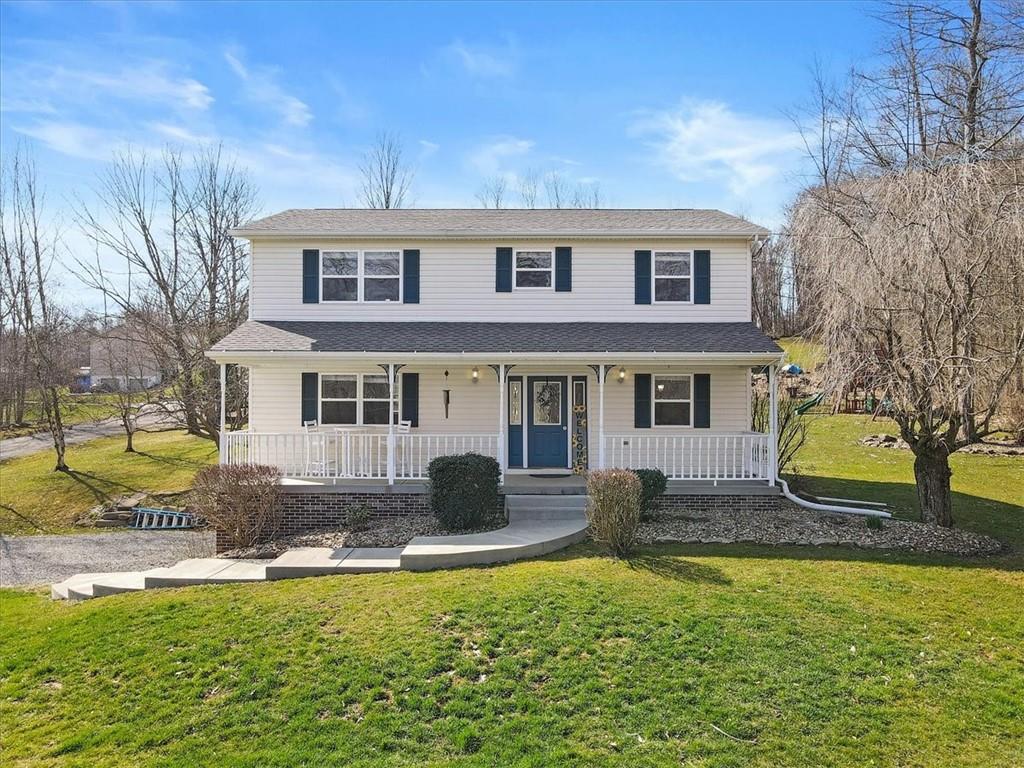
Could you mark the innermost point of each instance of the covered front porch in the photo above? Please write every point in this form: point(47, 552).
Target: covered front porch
point(546, 421)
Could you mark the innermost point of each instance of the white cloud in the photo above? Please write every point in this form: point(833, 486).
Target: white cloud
point(73, 139)
point(428, 148)
point(260, 86)
point(485, 59)
point(707, 141)
point(35, 87)
point(489, 158)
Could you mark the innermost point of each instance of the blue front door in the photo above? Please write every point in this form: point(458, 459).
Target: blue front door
point(547, 421)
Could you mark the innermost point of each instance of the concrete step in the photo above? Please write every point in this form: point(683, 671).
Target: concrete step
point(131, 581)
point(240, 570)
point(532, 507)
point(61, 590)
point(195, 571)
point(307, 561)
point(371, 560)
point(520, 539)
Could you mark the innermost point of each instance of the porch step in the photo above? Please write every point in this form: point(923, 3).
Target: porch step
point(544, 507)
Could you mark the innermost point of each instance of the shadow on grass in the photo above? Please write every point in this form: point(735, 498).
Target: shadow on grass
point(93, 487)
point(677, 569)
point(172, 461)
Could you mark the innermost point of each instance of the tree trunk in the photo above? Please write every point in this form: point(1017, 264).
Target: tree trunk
point(932, 473)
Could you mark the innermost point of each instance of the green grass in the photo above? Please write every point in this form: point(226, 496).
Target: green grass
point(74, 409)
point(805, 353)
point(806, 658)
point(35, 499)
point(988, 491)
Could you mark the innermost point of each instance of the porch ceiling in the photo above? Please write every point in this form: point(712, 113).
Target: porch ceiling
point(738, 340)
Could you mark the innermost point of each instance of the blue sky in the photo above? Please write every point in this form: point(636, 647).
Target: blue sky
point(662, 105)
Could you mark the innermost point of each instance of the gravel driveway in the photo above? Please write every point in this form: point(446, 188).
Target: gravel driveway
point(34, 560)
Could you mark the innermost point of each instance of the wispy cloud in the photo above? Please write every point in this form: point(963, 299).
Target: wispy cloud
point(36, 86)
point(260, 86)
point(490, 157)
point(484, 59)
point(703, 141)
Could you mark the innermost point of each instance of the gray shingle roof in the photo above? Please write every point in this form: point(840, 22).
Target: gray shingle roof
point(511, 222)
point(427, 337)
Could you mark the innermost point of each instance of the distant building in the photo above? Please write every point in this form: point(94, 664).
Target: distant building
point(122, 361)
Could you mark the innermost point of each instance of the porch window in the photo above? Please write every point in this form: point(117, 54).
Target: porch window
point(375, 399)
point(673, 400)
point(338, 398)
point(534, 269)
point(673, 276)
point(368, 276)
point(355, 399)
point(515, 403)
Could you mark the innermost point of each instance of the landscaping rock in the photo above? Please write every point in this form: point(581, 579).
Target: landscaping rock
point(130, 502)
point(792, 525)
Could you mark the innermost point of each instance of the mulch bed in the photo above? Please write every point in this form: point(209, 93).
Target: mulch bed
point(391, 532)
point(792, 525)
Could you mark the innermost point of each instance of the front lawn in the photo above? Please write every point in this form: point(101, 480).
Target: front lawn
point(725, 657)
point(74, 409)
point(988, 491)
point(35, 499)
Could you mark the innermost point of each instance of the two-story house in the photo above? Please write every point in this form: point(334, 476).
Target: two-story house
point(554, 340)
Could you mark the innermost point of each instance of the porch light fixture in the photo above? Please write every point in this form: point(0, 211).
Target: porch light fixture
point(622, 374)
point(476, 374)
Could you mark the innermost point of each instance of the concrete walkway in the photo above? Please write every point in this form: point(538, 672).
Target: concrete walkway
point(537, 525)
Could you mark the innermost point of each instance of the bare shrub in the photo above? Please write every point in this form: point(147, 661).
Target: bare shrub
point(613, 508)
point(792, 427)
point(242, 502)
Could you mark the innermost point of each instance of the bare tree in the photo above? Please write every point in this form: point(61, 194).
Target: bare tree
point(493, 193)
point(169, 224)
point(28, 248)
point(557, 189)
point(587, 195)
point(529, 184)
point(386, 176)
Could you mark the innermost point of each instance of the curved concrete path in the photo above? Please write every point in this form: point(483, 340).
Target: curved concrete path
point(537, 526)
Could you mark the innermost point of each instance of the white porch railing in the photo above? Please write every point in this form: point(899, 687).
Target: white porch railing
point(348, 454)
point(738, 456)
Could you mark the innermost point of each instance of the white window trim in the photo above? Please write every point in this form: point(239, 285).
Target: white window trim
point(654, 398)
point(655, 276)
point(361, 275)
point(515, 269)
point(359, 399)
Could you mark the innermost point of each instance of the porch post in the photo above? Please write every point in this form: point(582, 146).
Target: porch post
point(222, 448)
point(773, 424)
point(600, 417)
point(501, 421)
point(391, 423)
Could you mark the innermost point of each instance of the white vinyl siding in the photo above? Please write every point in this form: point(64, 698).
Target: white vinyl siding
point(276, 391)
point(457, 284)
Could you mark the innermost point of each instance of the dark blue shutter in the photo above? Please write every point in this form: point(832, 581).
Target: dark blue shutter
point(311, 276)
point(411, 398)
point(563, 269)
point(702, 400)
point(642, 400)
point(310, 396)
point(503, 270)
point(702, 277)
point(411, 276)
point(642, 276)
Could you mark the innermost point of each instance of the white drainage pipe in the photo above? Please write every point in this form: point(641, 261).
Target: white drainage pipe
point(831, 507)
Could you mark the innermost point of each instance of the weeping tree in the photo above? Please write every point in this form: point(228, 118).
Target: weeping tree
point(911, 272)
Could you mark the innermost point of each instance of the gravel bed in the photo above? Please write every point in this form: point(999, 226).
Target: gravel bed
point(793, 525)
point(391, 532)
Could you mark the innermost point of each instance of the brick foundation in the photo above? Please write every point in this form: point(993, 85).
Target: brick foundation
point(712, 503)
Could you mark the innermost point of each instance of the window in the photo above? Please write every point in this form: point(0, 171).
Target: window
point(515, 403)
point(534, 269)
point(338, 398)
point(547, 403)
point(672, 276)
point(375, 399)
point(354, 399)
point(672, 401)
point(369, 276)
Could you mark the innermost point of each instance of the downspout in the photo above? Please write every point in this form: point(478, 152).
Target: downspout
point(862, 511)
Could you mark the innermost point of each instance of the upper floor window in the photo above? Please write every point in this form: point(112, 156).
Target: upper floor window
point(672, 401)
point(673, 276)
point(370, 276)
point(535, 269)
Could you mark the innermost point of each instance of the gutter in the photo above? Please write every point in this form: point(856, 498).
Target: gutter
point(487, 236)
point(754, 357)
